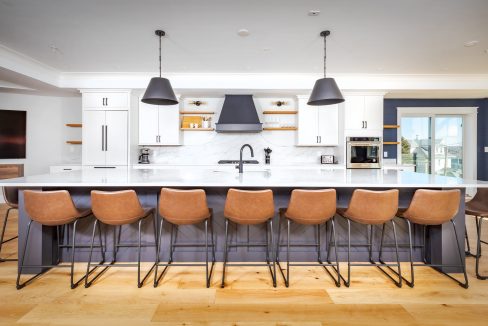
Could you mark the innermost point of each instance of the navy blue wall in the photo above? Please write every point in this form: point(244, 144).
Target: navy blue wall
point(390, 118)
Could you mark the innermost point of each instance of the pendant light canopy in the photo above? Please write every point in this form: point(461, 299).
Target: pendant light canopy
point(159, 90)
point(325, 91)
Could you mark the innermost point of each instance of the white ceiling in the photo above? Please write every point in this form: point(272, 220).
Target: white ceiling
point(374, 36)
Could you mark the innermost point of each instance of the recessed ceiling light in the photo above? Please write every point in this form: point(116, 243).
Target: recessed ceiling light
point(314, 12)
point(55, 49)
point(471, 43)
point(243, 32)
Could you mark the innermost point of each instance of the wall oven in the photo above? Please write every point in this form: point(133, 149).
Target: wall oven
point(364, 152)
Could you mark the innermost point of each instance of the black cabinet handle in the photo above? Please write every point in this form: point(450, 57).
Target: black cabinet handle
point(106, 101)
point(320, 139)
point(103, 140)
point(106, 138)
point(366, 124)
point(104, 167)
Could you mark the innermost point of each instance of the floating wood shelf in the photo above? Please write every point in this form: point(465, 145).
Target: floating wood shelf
point(280, 112)
point(197, 129)
point(280, 128)
point(391, 143)
point(73, 142)
point(197, 112)
point(391, 126)
point(74, 125)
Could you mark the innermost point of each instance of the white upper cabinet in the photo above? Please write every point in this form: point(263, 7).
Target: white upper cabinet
point(159, 125)
point(363, 115)
point(317, 125)
point(106, 100)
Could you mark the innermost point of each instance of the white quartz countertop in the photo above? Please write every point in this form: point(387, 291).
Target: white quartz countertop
point(207, 177)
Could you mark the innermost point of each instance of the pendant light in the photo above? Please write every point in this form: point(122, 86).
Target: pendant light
point(159, 90)
point(325, 90)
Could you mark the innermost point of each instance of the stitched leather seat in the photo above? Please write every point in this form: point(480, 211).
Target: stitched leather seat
point(182, 207)
point(371, 207)
point(117, 207)
point(311, 206)
point(249, 206)
point(478, 206)
point(52, 207)
point(433, 207)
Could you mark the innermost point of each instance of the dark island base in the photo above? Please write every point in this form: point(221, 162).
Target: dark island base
point(440, 246)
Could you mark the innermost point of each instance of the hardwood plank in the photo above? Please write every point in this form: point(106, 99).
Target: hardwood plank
point(11, 312)
point(272, 296)
point(473, 314)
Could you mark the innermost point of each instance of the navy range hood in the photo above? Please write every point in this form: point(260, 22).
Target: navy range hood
point(238, 115)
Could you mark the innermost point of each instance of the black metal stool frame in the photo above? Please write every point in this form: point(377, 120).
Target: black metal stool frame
point(116, 246)
point(2, 241)
point(270, 261)
point(174, 244)
point(317, 245)
point(380, 264)
point(73, 246)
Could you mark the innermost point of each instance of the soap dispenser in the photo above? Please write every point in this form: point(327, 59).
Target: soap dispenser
point(267, 158)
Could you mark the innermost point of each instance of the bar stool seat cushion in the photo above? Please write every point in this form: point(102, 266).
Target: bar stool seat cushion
point(118, 207)
point(52, 208)
point(433, 207)
point(311, 207)
point(183, 207)
point(11, 196)
point(371, 207)
point(249, 206)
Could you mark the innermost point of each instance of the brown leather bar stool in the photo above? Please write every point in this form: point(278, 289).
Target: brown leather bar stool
point(371, 208)
point(11, 198)
point(312, 208)
point(478, 207)
point(248, 207)
point(51, 208)
point(434, 207)
point(115, 209)
point(184, 207)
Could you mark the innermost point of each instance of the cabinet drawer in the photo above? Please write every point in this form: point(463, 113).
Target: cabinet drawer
point(97, 100)
point(63, 168)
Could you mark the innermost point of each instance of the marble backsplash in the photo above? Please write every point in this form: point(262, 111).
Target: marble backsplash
point(210, 147)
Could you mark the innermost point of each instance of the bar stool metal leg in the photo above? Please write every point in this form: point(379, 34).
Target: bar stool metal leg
point(2, 241)
point(226, 249)
point(478, 249)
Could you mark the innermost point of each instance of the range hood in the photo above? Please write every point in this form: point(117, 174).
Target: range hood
point(238, 115)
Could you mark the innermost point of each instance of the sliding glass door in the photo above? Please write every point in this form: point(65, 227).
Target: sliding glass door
point(433, 143)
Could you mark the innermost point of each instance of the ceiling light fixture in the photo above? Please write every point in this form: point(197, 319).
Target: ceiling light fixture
point(159, 90)
point(243, 32)
point(325, 91)
point(313, 12)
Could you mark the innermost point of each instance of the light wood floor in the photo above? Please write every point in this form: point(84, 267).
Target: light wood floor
point(249, 298)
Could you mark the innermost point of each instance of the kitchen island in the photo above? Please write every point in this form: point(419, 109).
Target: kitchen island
point(216, 182)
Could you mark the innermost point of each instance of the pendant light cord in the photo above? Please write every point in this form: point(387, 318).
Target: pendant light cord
point(325, 54)
point(160, 56)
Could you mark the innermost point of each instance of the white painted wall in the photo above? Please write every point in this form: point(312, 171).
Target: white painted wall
point(46, 130)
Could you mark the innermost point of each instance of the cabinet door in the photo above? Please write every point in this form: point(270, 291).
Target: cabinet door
point(116, 134)
point(373, 112)
point(328, 121)
point(148, 124)
point(169, 125)
point(109, 100)
point(93, 147)
point(307, 125)
point(354, 112)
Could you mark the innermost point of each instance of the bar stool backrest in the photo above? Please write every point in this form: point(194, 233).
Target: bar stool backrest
point(50, 207)
point(183, 206)
point(433, 207)
point(480, 200)
point(312, 206)
point(11, 196)
point(116, 207)
point(249, 206)
point(373, 207)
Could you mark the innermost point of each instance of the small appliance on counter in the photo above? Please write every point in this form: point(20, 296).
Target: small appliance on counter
point(144, 157)
point(327, 159)
point(267, 157)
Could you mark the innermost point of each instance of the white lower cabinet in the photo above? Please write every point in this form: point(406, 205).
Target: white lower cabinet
point(105, 136)
point(159, 124)
point(317, 125)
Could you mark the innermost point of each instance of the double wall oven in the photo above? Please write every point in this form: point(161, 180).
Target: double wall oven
point(364, 152)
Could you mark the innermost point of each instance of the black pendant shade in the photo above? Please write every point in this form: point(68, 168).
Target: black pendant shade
point(159, 92)
point(325, 91)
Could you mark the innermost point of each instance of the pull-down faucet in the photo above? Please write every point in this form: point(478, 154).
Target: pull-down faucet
point(240, 166)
